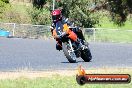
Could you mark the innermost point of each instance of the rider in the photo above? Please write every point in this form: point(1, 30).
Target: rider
point(58, 21)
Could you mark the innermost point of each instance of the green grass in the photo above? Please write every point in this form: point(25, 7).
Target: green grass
point(106, 23)
point(54, 82)
point(115, 36)
point(59, 79)
point(110, 25)
point(105, 35)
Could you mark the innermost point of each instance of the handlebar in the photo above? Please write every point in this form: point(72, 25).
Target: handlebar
point(62, 34)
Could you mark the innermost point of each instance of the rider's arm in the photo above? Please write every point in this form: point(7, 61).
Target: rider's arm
point(53, 31)
point(52, 27)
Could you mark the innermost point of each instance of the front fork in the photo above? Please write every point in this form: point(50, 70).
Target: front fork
point(71, 50)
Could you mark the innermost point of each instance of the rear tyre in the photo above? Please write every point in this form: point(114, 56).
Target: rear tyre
point(65, 50)
point(86, 55)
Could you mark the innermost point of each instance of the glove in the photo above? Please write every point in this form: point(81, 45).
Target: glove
point(52, 27)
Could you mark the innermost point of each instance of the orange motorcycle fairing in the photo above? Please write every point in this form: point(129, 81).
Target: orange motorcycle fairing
point(72, 35)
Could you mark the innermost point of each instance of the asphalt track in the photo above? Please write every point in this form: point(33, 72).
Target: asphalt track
point(35, 54)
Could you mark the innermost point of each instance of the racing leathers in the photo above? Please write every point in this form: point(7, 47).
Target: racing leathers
point(59, 26)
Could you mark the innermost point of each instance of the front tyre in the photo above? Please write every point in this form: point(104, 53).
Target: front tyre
point(70, 58)
point(86, 55)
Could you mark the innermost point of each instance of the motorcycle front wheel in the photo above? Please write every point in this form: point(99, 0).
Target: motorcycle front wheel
point(69, 55)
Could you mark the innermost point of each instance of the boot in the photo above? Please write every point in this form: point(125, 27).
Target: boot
point(59, 45)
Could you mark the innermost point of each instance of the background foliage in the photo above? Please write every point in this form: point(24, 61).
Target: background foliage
point(78, 11)
point(39, 16)
point(85, 13)
point(119, 10)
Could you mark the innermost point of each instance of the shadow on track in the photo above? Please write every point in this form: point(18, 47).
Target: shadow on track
point(78, 62)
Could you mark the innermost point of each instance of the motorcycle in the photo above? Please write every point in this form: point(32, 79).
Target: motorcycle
point(73, 49)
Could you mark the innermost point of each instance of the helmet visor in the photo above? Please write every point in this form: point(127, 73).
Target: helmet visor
point(56, 17)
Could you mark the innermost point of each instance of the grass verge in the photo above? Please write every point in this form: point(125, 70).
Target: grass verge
point(62, 79)
point(104, 35)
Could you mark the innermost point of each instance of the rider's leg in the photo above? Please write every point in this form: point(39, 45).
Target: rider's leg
point(81, 37)
point(59, 43)
point(79, 34)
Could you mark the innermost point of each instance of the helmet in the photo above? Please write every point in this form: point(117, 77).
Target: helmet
point(56, 15)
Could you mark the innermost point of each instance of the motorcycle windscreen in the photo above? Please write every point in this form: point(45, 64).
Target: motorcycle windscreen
point(59, 27)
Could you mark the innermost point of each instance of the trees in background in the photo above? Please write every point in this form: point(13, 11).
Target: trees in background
point(6, 1)
point(39, 16)
point(78, 10)
point(38, 3)
point(3, 6)
point(118, 9)
point(83, 12)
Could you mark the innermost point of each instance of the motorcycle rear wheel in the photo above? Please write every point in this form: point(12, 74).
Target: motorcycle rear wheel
point(86, 55)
